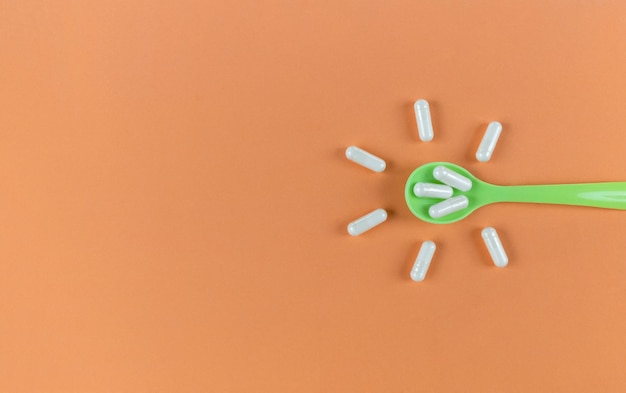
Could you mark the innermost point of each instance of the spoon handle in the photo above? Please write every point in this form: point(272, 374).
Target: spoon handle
point(605, 195)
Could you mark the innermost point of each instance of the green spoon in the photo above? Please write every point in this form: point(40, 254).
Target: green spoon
point(606, 195)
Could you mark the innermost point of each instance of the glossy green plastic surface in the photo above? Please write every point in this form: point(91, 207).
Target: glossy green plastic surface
point(604, 195)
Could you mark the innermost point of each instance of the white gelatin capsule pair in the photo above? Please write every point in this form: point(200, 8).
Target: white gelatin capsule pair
point(431, 190)
point(448, 206)
point(422, 262)
point(451, 178)
point(488, 143)
point(424, 123)
point(494, 245)
point(365, 159)
point(367, 222)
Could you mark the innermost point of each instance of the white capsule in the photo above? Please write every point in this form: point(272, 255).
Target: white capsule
point(448, 206)
point(365, 159)
point(422, 262)
point(367, 222)
point(488, 144)
point(431, 190)
point(492, 241)
point(424, 124)
point(451, 178)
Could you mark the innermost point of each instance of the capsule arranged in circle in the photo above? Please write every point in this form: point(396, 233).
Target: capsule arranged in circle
point(365, 159)
point(494, 246)
point(431, 190)
point(488, 143)
point(448, 206)
point(422, 262)
point(367, 222)
point(451, 178)
point(424, 123)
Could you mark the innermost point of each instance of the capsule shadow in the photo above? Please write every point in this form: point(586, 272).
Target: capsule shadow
point(436, 120)
point(411, 121)
point(412, 256)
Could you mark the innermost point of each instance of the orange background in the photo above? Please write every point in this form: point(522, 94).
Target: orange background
point(174, 196)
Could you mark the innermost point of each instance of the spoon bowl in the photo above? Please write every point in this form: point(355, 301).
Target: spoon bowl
point(604, 195)
point(419, 205)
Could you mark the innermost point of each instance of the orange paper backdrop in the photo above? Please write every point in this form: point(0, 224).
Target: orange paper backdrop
point(174, 196)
